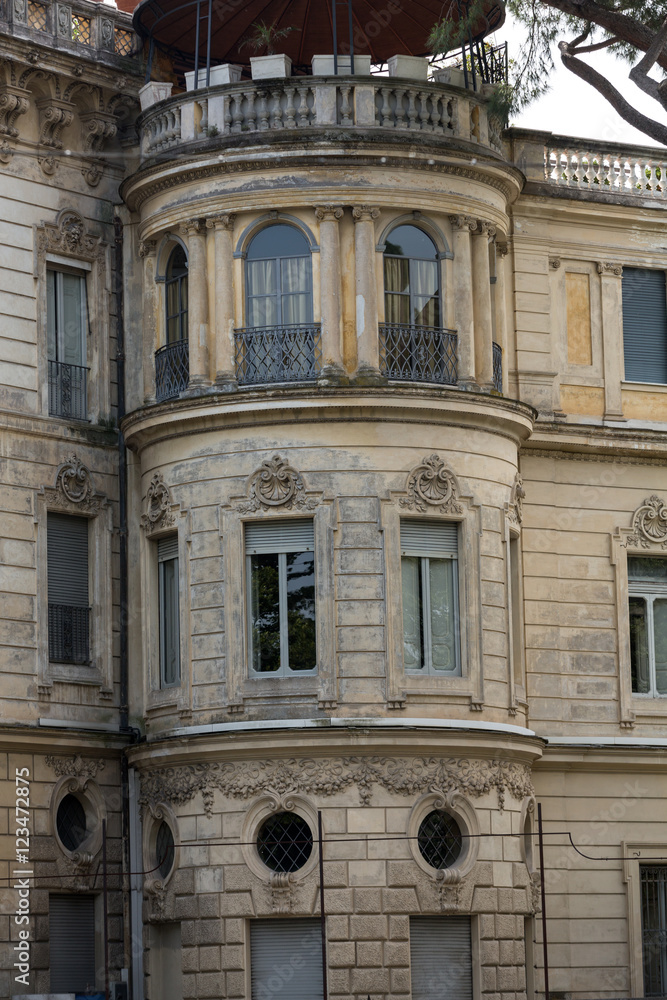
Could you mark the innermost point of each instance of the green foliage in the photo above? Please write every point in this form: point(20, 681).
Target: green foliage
point(265, 36)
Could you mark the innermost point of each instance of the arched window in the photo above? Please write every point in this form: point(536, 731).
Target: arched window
point(411, 279)
point(278, 279)
point(176, 283)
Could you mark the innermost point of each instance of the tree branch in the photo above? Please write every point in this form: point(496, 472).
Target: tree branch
point(639, 73)
point(625, 28)
point(591, 76)
point(576, 51)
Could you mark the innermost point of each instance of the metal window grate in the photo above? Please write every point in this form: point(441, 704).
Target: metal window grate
point(38, 16)
point(654, 929)
point(81, 29)
point(123, 41)
point(439, 839)
point(68, 391)
point(71, 822)
point(285, 842)
point(497, 367)
point(172, 370)
point(278, 354)
point(69, 634)
point(418, 353)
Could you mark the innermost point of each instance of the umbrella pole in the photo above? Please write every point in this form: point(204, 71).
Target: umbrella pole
point(349, 16)
point(334, 4)
point(197, 45)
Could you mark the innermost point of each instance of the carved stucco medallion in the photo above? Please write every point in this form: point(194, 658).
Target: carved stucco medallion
point(159, 506)
point(276, 484)
point(432, 486)
point(74, 490)
point(649, 524)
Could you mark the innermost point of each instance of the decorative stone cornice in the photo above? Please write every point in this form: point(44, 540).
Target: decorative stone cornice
point(225, 221)
point(97, 128)
point(328, 213)
point(68, 236)
point(74, 767)
point(73, 490)
point(649, 525)
point(275, 484)
point(325, 777)
point(365, 213)
point(610, 267)
point(463, 222)
point(159, 513)
point(432, 486)
point(515, 506)
point(54, 116)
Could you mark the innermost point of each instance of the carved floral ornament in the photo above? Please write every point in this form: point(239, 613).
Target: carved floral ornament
point(74, 490)
point(159, 511)
point(74, 767)
point(649, 525)
point(432, 486)
point(276, 484)
point(324, 777)
point(69, 236)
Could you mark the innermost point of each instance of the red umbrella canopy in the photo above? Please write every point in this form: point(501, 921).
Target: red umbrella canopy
point(381, 28)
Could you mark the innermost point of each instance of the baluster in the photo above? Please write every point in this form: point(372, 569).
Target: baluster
point(386, 116)
point(304, 117)
point(345, 106)
point(662, 166)
point(177, 122)
point(577, 175)
point(412, 108)
point(605, 171)
point(250, 112)
point(627, 175)
point(237, 113)
point(203, 127)
point(400, 110)
point(423, 110)
point(290, 110)
point(586, 170)
point(312, 105)
point(448, 115)
point(228, 115)
point(277, 111)
point(648, 178)
point(436, 119)
point(594, 172)
point(263, 112)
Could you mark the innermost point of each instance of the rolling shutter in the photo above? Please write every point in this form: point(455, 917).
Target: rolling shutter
point(424, 538)
point(644, 325)
point(167, 548)
point(72, 943)
point(279, 536)
point(67, 559)
point(286, 959)
point(441, 958)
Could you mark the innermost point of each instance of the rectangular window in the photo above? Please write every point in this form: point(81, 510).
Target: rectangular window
point(67, 325)
point(515, 610)
point(170, 657)
point(654, 929)
point(429, 564)
point(647, 584)
point(645, 325)
point(285, 960)
point(280, 568)
point(67, 573)
point(441, 958)
point(72, 943)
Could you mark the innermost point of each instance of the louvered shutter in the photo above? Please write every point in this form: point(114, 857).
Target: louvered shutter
point(167, 548)
point(72, 943)
point(279, 536)
point(644, 325)
point(67, 559)
point(441, 958)
point(286, 960)
point(170, 660)
point(425, 538)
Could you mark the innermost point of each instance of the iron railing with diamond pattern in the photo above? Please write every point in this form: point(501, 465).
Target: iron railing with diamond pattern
point(418, 353)
point(68, 393)
point(497, 367)
point(439, 839)
point(285, 842)
point(172, 370)
point(278, 354)
point(69, 634)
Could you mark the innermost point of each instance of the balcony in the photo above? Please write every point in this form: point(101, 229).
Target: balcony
point(69, 634)
point(68, 391)
point(418, 354)
point(278, 354)
point(172, 370)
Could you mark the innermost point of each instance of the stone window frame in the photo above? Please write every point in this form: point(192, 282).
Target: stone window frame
point(155, 815)
point(68, 243)
point(163, 517)
point(465, 815)
point(633, 854)
point(97, 509)
point(260, 810)
point(647, 536)
point(88, 792)
point(464, 510)
point(572, 374)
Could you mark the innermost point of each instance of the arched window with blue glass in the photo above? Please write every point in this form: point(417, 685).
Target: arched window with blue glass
point(172, 368)
point(414, 346)
point(280, 342)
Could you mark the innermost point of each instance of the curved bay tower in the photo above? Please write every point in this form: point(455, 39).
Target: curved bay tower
point(335, 519)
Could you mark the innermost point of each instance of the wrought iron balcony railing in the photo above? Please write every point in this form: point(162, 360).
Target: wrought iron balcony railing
point(172, 370)
point(278, 354)
point(68, 391)
point(418, 353)
point(497, 367)
point(69, 634)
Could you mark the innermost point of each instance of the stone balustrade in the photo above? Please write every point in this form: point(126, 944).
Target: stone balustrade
point(96, 30)
point(306, 102)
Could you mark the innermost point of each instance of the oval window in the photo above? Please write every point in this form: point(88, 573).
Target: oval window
point(71, 823)
point(440, 840)
point(164, 850)
point(285, 842)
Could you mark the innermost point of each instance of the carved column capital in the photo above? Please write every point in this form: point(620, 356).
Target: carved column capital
point(610, 267)
point(365, 213)
point(462, 222)
point(502, 248)
point(225, 221)
point(328, 213)
point(554, 263)
point(192, 227)
point(147, 248)
point(484, 228)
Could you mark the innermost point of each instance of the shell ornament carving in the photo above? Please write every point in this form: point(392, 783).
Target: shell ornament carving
point(649, 524)
point(432, 485)
point(158, 513)
point(276, 484)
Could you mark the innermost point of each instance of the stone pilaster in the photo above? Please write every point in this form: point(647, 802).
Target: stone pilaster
point(221, 333)
point(368, 356)
point(500, 305)
point(147, 251)
point(195, 233)
point(462, 227)
point(331, 293)
point(611, 275)
point(483, 316)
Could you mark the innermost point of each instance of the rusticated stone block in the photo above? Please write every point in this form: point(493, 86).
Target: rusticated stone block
point(367, 901)
point(339, 901)
point(236, 984)
point(506, 978)
point(396, 953)
point(507, 955)
point(335, 875)
point(490, 951)
point(183, 882)
point(209, 932)
point(485, 901)
point(505, 926)
point(399, 928)
point(190, 958)
point(234, 931)
point(210, 984)
point(368, 928)
point(399, 901)
point(369, 954)
point(341, 954)
point(401, 873)
point(488, 978)
point(209, 905)
point(505, 901)
point(487, 925)
point(338, 928)
point(232, 957)
point(339, 980)
point(370, 981)
point(209, 959)
point(188, 932)
point(400, 980)
point(235, 904)
point(185, 907)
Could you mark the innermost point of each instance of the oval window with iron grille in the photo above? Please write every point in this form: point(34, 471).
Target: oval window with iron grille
point(164, 850)
point(439, 839)
point(285, 842)
point(71, 823)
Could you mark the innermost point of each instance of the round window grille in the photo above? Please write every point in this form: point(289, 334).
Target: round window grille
point(164, 849)
point(71, 823)
point(439, 839)
point(284, 842)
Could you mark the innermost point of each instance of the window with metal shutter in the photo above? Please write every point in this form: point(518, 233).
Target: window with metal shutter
point(279, 536)
point(67, 559)
point(441, 958)
point(167, 548)
point(286, 960)
point(644, 325)
point(72, 943)
point(425, 538)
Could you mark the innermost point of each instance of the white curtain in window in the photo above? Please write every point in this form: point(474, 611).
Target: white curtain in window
point(412, 643)
point(443, 616)
point(262, 288)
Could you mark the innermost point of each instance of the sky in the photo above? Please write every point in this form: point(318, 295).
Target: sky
point(572, 107)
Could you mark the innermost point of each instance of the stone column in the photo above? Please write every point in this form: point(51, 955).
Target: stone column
point(368, 348)
point(462, 226)
point(147, 250)
point(481, 289)
point(331, 292)
point(221, 340)
point(195, 233)
point(501, 308)
point(612, 337)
